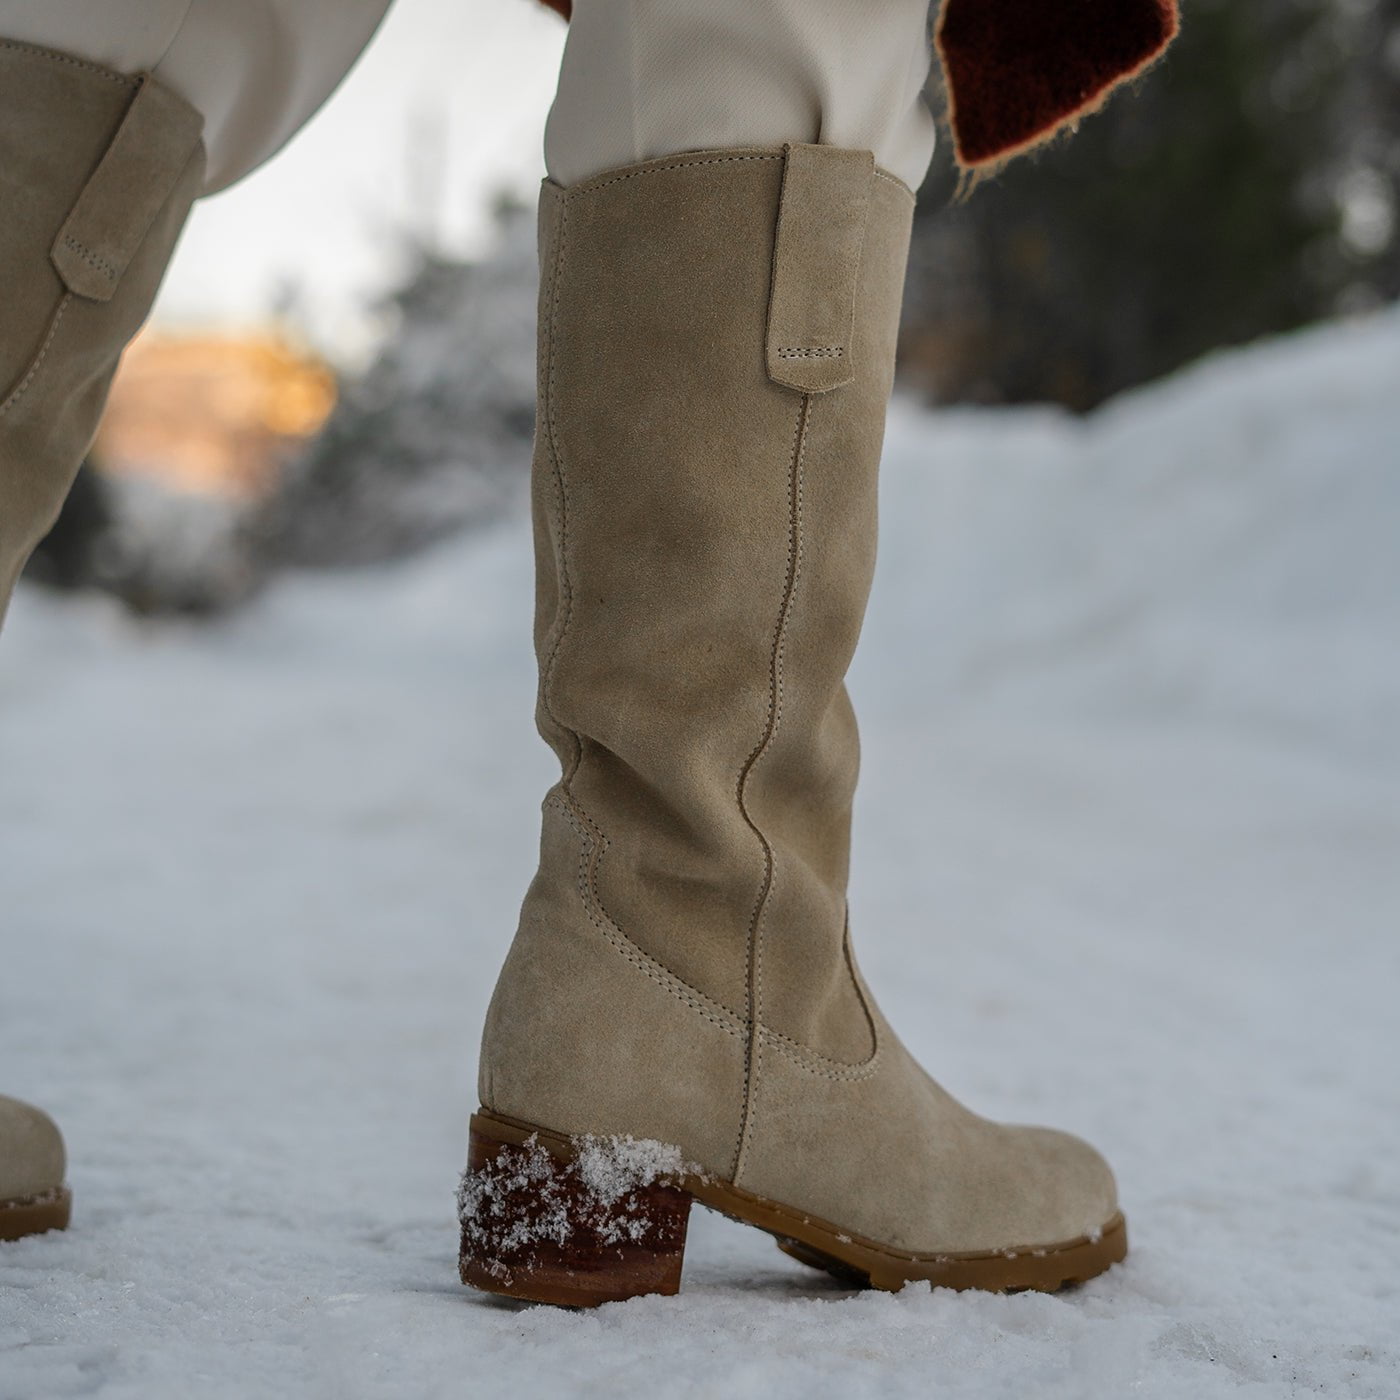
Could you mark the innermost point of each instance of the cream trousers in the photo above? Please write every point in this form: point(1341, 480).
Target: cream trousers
point(640, 78)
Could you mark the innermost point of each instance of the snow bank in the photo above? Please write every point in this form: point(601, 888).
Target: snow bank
point(1126, 862)
point(1223, 545)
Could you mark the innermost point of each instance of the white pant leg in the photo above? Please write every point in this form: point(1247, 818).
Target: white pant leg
point(647, 78)
point(256, 69)
point(640, 78)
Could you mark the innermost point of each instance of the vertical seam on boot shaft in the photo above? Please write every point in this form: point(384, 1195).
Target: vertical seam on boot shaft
point(12, 399)
point(35, 365)
point(556, 458)
point(754, 942)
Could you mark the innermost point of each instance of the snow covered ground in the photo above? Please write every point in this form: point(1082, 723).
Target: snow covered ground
point(1131, 694)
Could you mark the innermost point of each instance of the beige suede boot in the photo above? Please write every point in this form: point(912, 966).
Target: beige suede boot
point(33, 1197)
point(680, 1017)
point(97, 174)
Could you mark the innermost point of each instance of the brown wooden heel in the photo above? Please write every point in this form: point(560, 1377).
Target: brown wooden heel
point(576, 1223)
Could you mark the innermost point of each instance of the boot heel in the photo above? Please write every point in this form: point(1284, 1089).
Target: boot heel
point(576, 1222)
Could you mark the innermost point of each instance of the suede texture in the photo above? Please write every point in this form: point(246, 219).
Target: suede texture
point(884, 1151)
point(705, 542)
point(97, 174)
point(816, 267)
point(32, 1160)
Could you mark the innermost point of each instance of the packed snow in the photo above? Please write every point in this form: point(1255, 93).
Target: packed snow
point(1127, 861)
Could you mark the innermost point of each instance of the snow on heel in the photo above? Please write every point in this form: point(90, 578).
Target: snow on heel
point(580, 1222)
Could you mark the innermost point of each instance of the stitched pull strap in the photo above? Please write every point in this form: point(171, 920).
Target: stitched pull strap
point(821, 229)
point(121, 199)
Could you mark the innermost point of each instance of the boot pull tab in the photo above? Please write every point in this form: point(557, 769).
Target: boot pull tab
point(816, 265)
point(122, 197)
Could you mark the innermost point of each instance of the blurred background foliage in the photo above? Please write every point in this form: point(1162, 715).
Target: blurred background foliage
point(1247, 186)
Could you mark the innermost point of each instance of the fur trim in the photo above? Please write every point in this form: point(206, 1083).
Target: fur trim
point(1019, 72)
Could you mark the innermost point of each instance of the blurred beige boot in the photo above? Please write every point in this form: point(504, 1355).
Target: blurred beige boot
point(717, 350)
point(97, 174)
point(33, 1197)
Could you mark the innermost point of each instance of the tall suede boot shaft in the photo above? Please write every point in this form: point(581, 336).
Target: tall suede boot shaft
point(97, 174)
point(716, 354)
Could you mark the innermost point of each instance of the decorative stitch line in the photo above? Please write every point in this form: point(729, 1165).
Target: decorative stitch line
point(812, 1064)
point(566, 594)
point(50, 56)
point(657, 169)
point(810, 352)
point(20, 389)
point(775, 709)
point(896, 182)
point(89, 257)
point(592, 839)
point(592, 847)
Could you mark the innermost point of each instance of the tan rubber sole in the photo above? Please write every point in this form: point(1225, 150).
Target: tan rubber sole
point(36, 1215)
point(537, 1231)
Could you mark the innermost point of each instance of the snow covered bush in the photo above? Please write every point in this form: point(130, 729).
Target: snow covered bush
point(435, 435)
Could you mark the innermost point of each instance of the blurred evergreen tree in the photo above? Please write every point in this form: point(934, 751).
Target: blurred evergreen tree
point(435, 435)
point(1206, 208)
point(1370, 123)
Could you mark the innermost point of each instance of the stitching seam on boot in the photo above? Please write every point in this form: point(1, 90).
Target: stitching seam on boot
point(729, 1020)
point(35, 51)
point(593, 840)
point(753, 1060)
point(20, 389)
point(577, 191)
point(561, 492)
point(583, 189)
point(812, 1062)
point(881, 174)
point(593, 844)
point(91, 258)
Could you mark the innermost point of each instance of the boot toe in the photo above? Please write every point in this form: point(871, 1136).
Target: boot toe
point(1070, 1191)
point(33, 1161)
